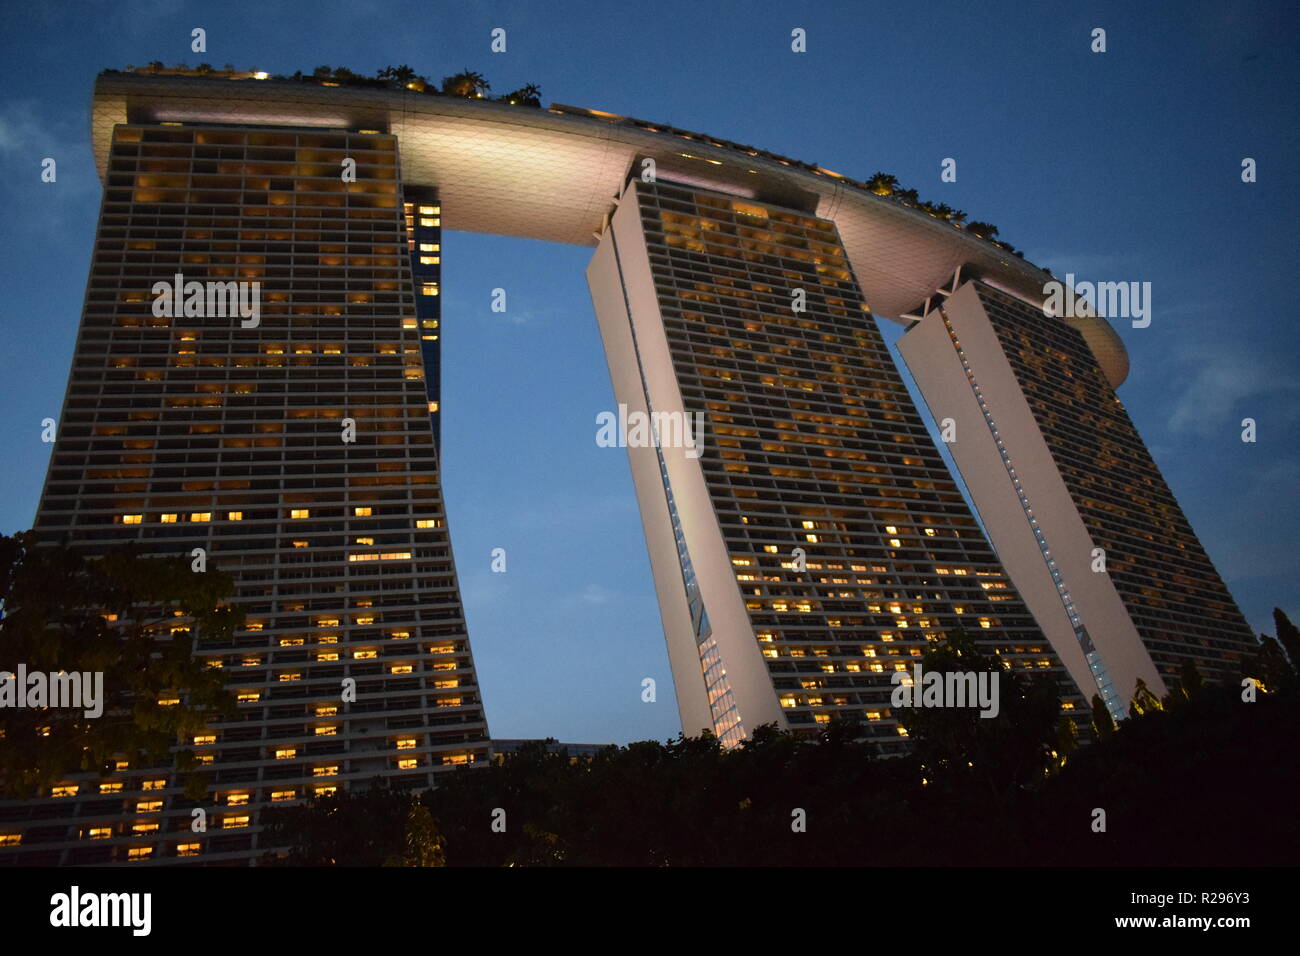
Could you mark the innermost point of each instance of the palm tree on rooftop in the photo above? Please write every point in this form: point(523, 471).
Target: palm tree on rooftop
point(403, 75)
point(985, 230)
point(882, 184)
point(466, 83)
point(529, 95)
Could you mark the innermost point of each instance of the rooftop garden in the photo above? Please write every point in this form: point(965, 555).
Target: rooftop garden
point(469, 84)
point(466, 84)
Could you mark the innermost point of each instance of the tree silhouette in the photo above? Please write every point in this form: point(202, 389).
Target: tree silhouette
point(882, 184)
point(466, 83)
point(1103, 724)
point(136, 620)
point(528, 95)
point(1144, 702)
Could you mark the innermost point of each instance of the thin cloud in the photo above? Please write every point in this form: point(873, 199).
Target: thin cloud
point(1219, 383)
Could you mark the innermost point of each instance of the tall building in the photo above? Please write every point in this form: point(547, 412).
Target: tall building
point(749, 313)
point(1079, 513)
point(195, 431)
point(205, 430)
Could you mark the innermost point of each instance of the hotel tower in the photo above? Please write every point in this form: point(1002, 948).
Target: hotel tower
point(817, 545)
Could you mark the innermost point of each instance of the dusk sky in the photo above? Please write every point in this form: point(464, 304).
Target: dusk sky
point(1122, 166)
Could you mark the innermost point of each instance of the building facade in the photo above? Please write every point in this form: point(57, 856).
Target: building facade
point(194, 431)
point(814, 544)
point(1080, 514)
point(199, 431)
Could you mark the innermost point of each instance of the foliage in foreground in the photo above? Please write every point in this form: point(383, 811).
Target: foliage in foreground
point(1200, 778)
point(117, 615)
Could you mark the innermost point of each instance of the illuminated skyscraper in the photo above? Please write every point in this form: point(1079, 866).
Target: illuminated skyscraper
point(750, 313)
point(198, 432)
point(1080, 515)
point(735, 286)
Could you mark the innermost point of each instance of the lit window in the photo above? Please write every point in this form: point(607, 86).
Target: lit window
point(325, 791)
point(114, 787)
point(203, 739)
point(406, 743)
point(236, 799)
point(235, 516)
point(300, 513)
point(427, 522)
point(408, 763)
point(428, 288)
point(234, 823)
point(429, 247)
point(326, 710)
point(328, 771)
point(169, 519)
point(148, 806)
point(278, 796)
point(65, 790)
point(327, 730)
point(286, 753)
point(201, 516)
point(99, 833)
point(188, 849)
point(430, 260)
point(400, 669)
point(365, 655)
point(361, 512)
point(132, 519)
point(168, 701)
point(151, 827)
point(249, 697)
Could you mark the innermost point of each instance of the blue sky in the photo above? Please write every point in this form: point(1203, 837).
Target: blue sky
point(1116, 166)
